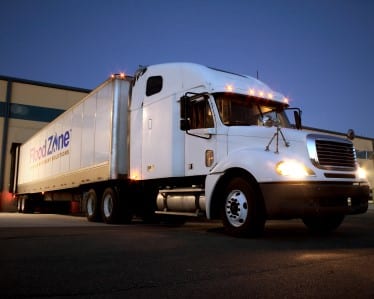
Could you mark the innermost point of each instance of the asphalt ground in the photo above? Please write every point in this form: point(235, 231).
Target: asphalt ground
point(59, 256)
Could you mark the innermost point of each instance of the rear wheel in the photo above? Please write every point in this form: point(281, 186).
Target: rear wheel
point(114, 210)
point(147, 205)
point(25, 205)
point(19, 204)
point(323, 224)
point(242, 209)
point(110, 208)
point(92, 206)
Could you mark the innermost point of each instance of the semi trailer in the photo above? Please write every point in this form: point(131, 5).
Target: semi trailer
point(186, 140)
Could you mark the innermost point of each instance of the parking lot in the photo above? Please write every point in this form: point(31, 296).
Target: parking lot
point(58, 256)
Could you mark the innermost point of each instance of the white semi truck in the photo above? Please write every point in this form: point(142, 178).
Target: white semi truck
point(181, 139)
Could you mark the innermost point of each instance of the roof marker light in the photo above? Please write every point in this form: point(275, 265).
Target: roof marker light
point(118, 75)
point(229, 88)
point(251, 92)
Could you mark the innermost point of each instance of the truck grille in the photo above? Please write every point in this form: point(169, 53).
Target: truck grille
point(332, 153)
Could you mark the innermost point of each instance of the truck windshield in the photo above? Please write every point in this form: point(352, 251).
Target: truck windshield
point(241, 110)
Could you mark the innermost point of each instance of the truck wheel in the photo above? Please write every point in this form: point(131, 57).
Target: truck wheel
point(242, 210)
point(148, 206)
point(92, 206)
point(323, 224)
point(24, 205)
point(110, 206)
point(19, 204)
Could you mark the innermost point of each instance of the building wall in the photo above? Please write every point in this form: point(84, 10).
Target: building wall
point(365, 157)
point(25, 107)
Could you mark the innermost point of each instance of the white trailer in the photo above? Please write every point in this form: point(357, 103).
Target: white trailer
point(183, 139)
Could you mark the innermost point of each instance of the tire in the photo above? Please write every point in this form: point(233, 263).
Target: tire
point(110, 207)
point(243, 213)
point(93, 206)
point(25, 205)
point(323, 224)
point(148, 206)
point(19, 204)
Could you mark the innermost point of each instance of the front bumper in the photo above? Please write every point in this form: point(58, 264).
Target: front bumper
point(297, 200)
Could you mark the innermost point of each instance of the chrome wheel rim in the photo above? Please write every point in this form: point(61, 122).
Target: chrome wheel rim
point(90, 206)
point(108, 205)
point(236, 208)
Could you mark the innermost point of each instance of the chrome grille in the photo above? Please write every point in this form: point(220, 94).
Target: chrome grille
point(333, 153)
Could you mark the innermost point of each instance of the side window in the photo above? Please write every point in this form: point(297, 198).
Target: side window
point(154, 85)
point(201, 115)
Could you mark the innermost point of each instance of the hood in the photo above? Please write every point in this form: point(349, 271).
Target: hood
point(267, 133)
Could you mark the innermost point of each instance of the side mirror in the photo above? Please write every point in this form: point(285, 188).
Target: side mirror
point(184, 113)
point(185, 108)
point(184, 125)
point(297, 116)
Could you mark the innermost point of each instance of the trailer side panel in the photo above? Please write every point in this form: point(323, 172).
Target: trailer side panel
point(81, 145)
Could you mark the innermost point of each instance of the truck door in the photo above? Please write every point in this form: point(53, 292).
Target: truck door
point(200, 137)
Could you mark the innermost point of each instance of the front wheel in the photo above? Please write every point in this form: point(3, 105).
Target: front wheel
point(323, 224)
point(242, 210)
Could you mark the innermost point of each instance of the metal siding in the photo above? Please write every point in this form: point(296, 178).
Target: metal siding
point(44, 96)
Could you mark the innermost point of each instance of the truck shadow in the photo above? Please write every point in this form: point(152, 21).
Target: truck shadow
point(294, 235)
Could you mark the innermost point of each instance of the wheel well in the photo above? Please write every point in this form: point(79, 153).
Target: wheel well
point(217, 197)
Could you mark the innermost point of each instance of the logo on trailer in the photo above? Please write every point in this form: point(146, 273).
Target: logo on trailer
point(52, 144)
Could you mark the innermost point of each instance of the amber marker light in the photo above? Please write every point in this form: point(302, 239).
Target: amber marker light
point(229, 88)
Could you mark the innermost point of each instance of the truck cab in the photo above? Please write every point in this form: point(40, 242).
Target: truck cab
point(221, 144)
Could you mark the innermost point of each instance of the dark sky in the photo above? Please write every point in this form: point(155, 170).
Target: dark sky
point(319, 53)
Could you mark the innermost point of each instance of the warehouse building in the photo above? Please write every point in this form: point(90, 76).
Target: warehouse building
point(26, 106)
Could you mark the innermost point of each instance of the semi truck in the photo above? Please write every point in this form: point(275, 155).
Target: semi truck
point(187, 140)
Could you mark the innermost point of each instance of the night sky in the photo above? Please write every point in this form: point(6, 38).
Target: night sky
point(318, 53)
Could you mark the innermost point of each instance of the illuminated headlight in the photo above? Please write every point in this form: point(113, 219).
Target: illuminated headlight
point(293, 169)
point(361, 173)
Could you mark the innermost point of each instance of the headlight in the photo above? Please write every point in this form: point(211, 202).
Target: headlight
point(361, 173)
point(293, 169)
